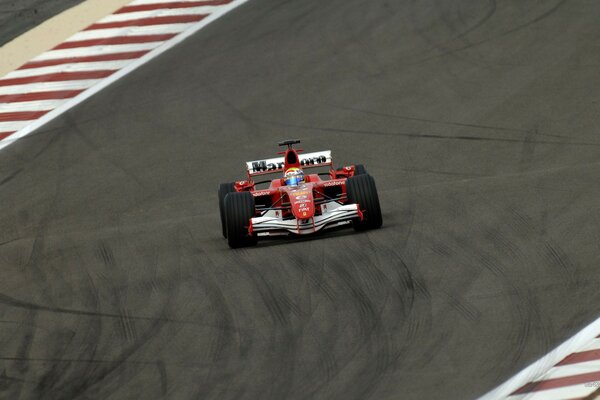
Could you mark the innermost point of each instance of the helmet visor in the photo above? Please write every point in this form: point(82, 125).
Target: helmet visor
point(293, 180)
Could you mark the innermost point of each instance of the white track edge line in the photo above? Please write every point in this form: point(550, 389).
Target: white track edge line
point(544, 364)
point(118, 75)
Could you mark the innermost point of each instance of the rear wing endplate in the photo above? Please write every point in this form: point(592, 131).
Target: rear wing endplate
point(272, 165)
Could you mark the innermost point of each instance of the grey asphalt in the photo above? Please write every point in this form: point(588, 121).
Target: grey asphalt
point(19, 16)
point(479, 121)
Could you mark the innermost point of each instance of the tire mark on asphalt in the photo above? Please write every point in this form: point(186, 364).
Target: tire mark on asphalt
point(36, 272)
point(13, 302)
point(527, 24)
point(488, 15)
point(528, 320)
point(455, 34)
point(20, 365)
point(105, 254)
point(59, 340)
point(447, 123)
point(358, 269)
point(527, 150)
point(162, 373)
point(119, 297)
point(281, 311)
point(556, 256)
point(106, 374)
point(11, 176)
point(425, 136)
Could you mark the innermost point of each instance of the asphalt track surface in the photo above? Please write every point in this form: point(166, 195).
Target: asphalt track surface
point(18, 16)
point(479, 121)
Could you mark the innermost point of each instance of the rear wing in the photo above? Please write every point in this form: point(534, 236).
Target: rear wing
point(272, 165)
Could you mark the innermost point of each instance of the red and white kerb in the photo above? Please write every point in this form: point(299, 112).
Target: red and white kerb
point(570, 372)
point(94, 55)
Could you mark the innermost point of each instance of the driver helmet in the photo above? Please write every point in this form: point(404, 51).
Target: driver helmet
point(294, 176)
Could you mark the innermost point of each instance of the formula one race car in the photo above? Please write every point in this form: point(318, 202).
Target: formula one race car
point(297, 204)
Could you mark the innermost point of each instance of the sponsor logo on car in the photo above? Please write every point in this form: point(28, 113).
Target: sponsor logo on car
point(333, 183)
point(265, 166)
point(300, 193)
point(259, 193)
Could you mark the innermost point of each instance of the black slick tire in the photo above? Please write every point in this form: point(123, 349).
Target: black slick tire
point(359, 169)
point(224, 190)
point(361, 190)
point(239, 208)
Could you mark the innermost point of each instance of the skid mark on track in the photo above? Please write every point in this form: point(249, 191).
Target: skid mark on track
point(61, 341)
point(449, 123)
point(557, 257)
point(532, 21)
point(485, 18)
point(110, 375)
point(162, 373)
point(361, 278)
point(13, 302)
point(105, 254)
point(425, 136)
point(20, 365)
point(77, 129)
point(11, 176)
point(530, 327)
point(44, 281)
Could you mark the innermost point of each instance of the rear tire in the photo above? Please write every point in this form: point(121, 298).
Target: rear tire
point(359, 169)
point(361, 190)
point(224, 190)
point(239, 208)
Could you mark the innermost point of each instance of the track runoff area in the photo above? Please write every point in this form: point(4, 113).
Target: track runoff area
point(116, 45)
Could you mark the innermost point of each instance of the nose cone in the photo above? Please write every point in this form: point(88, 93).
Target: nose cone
point(303, 205)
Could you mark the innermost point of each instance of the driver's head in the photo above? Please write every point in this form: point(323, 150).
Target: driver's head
point(294, 177)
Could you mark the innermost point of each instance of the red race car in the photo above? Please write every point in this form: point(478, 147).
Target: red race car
point(297, 203)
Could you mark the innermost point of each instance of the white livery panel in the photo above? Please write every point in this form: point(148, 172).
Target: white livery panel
point(271, 165)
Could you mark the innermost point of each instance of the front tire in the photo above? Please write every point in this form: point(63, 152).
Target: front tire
point(224, 190)
point(361, 190)
point(239, 209)
point(359, 169)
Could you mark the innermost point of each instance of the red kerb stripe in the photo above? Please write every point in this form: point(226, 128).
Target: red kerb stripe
point(5, 134)
point(104, 57)
point(175, 4)
point(56, 95)
point(581, 357)
point(115, 40)
point(558, 383)
point(21, 115)
point(174, 19)
point(60, 76)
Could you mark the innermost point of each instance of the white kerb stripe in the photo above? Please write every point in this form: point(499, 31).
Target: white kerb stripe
point(162, 12)
point(567, 392)
point(593, 345)
point(129, 31)
point(39, 105)
point(138, 2)
point(572, 369)
point(48, 86)
point(13, 126)
point(75, 67)
point(96, 50)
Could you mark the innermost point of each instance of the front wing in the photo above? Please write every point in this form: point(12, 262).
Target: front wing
point(333, 215)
